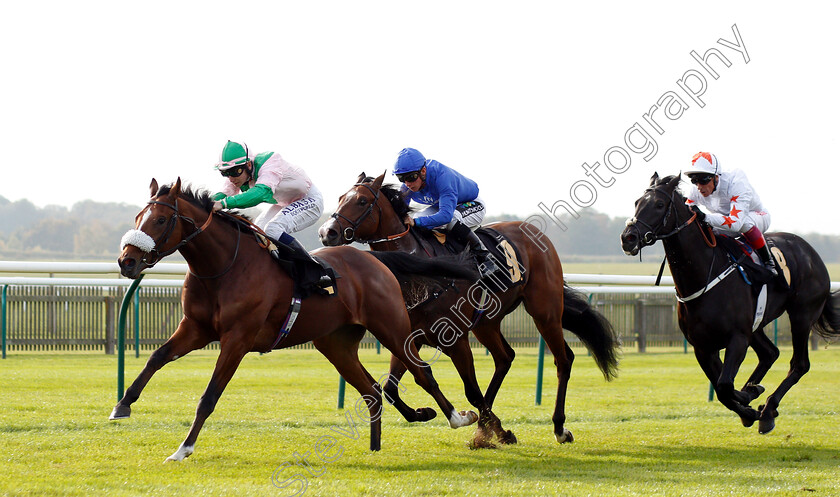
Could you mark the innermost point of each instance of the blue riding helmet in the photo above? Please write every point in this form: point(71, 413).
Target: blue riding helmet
point(408, 161)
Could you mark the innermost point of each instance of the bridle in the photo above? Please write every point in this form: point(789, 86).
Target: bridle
point(653, 234)
point(348, 234)
point(176, 215)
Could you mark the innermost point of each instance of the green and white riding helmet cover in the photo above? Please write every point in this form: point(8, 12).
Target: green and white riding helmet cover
point(233, 154)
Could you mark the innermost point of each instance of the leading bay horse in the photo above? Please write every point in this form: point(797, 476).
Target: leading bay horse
point(237, 294)
point(717, 310)
point(373, 213)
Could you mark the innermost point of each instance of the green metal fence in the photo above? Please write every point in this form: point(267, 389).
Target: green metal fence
point(84, 318)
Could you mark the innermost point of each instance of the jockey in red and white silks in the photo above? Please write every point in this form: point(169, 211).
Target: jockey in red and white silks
point(731, 204)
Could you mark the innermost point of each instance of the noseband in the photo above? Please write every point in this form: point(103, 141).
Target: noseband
point(653, 234)
point(176, 214)
point(349, 233)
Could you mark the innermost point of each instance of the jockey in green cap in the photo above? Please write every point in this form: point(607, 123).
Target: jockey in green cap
point(252, 179)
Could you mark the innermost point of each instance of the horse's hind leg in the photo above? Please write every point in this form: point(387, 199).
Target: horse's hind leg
point(767, 353)
point(391, 391)
point(342, 350)
point(799, 365)
point(187, 337)
point(549, 323)
point(232, 349)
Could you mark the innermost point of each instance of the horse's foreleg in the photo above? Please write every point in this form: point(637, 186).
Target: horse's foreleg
point(391, 392)
point(799, 365)
point(490, 336)
point(231, 354)
point(406, 351)
point(767, 353)
point(711, 365)
point(489, 427)
point(343, 352)
point(186, 338)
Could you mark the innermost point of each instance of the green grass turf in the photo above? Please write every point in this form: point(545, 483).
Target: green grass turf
point(650, 432)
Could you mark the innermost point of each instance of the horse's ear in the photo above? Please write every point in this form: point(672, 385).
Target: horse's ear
point(176, 188)
point(377, 183)
point(654, 178)
point(675, 181)
point(153, 187)
point(361, 177)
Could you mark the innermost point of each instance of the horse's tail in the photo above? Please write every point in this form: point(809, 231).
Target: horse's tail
point(404, 266)
point(828, 325)
point(593, 329)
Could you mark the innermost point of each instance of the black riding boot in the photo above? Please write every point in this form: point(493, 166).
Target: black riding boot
point(486, 264)
point(298, 252)
point(767, 259)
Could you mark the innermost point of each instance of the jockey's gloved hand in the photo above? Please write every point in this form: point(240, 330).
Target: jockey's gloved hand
point(701, 216)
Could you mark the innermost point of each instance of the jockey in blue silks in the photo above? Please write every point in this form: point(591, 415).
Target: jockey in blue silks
point(454, 204)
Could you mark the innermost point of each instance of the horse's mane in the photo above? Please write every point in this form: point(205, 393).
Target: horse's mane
point(196, 196)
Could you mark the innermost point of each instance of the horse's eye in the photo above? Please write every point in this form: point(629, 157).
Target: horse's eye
point(660, 204)
point(161, 220)
point(362, 201)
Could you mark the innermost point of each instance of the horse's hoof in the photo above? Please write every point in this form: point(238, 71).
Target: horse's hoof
point(566, 437)
point(766, 426)
point(120, 412)
point(471, 416)
point(767, 421)
point(747, 422)
point(462, 419)
point(425, 414)
point(508, 438)
point(754, 390)
point(180, 454)
point(481, 442)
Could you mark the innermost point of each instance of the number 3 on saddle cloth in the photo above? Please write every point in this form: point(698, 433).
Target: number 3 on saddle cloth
point(504, 253)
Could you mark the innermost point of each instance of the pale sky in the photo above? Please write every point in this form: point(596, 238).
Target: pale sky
point(99, 97)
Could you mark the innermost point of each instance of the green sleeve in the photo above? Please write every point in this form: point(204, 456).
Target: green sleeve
point(219, 196)
point(254, 196)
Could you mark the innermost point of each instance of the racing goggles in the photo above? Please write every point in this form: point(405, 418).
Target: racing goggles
point(408, 177)
point(701, 179)
point(232, 172)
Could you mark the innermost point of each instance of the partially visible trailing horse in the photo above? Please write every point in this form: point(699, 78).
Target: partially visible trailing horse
point(373, 213)
point(237, 294)
point(718, 308)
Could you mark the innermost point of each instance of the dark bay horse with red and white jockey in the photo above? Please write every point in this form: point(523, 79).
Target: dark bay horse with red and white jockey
point(718, 308)
point(237, 294)
point(373, 213)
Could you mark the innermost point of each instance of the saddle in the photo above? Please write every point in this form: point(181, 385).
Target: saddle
point(750, 266)
point(505, 254)
point(303, 271)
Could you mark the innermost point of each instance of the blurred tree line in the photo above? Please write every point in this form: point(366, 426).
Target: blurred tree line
point(92, 231)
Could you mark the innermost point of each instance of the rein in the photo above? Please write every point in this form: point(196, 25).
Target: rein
point(198, 230)
point(651, 236)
